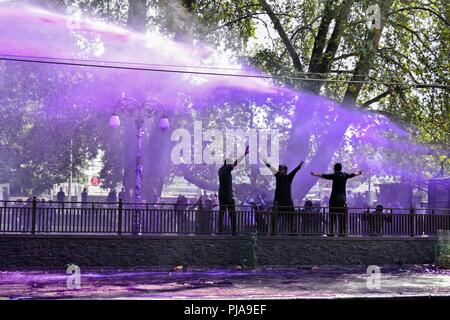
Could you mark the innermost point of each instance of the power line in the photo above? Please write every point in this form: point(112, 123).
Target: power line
point(123, 62)
point(108, 65)
point(153, 64)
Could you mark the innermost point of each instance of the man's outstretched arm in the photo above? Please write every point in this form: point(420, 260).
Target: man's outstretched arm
point(293, 172)
point(354, 174)
point(328, 176)
point(272, 169)
point(241, 157)
point(360, 172)
point(315, 174)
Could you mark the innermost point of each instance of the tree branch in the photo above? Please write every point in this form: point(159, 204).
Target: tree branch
point(416, 35)
point(322, 58)
point(238, 19)
point(377, 98)
point(191, 178)
point(282, 33)
point(424, 9)
point(398, 64)
point(321, 36)
point(366, 58)
point(345, 56)
point(333, 43)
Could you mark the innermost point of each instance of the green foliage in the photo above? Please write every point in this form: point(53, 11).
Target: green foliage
point(415, 48)
point(443, 254)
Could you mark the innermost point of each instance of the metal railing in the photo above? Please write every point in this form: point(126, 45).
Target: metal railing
point(35, 217)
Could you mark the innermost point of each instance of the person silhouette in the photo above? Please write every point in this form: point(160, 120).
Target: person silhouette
point(283, 199)
point(226, 196)
point(337, 202)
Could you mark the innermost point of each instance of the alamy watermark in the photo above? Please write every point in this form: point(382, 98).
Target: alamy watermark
point(373, 17)
point(373, 282)
point(213, 146)
point(73, 281)
point(74, 18)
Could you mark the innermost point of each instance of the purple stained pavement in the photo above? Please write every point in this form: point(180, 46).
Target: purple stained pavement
point(316, 282)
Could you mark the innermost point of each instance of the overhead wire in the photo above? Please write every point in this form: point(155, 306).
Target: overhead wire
point(189, 70)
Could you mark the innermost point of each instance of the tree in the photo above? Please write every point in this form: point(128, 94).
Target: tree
point(313, 41)
point(344, 46)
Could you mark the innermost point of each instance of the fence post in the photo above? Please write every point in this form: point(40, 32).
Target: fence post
point(200, 218)
point(91, 221)
point(411, 221)
point(119, 222)
point(148, 225)
point(275, 218)
point(256, 212)
point(33, 216)
point(345, 222)
point(3, 213)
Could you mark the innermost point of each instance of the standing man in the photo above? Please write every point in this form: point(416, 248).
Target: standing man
point(112, 196)
point(226, 196)
point(338, 199)
point(84, 197)
point(124, 195)
point(60, 198)
point(283, 198)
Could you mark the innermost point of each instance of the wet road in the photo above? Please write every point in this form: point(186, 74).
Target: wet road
point(322, 282)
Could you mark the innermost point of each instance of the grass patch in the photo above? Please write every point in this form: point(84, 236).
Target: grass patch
point(443, 255)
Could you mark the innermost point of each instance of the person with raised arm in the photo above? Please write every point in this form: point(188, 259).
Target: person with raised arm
point(338, 199)
point(226, 196)
point(283, 198)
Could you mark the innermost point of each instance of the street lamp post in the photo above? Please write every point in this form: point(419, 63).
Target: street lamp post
point(140, 112)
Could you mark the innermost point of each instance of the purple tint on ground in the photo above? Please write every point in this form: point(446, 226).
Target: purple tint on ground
point(274, 283)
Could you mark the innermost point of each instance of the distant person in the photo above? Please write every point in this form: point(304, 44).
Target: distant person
point(226, 196)
point(180, 211)
point(249, 203)
point(261, 201)
point(60, 197)
point(112, 196)
point(203, 217)
point(308, 215)
point(215, 199)
point(283, 198)
point(200, 200)
point(376, 220)
point(84, 197)
point(124, 196)
point(317, 207)
point(262, 221)
point(181, 203)
point(338, 199)
point(5, 194)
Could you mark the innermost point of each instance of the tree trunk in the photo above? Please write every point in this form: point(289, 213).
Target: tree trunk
point(137, 15)
point(336, 131)
point(157, 158)
point(322, 57)
point(158, 147)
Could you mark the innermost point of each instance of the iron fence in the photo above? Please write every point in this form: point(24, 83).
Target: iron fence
point(35, 217)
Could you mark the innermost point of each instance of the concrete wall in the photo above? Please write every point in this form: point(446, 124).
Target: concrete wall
point(24, 251)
